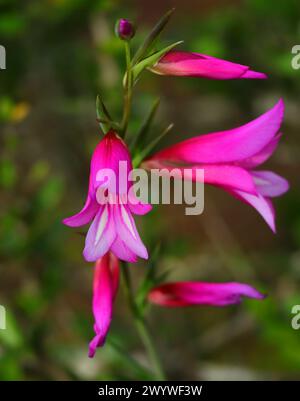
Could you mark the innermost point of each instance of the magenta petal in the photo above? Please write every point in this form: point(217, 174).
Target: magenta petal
point(100, 236)
point(270, 184)
point(200, 293)
point(127, 231)
point(200, 65)
point(138, 207)
point(224, 176)
point(106, 279)
point(110, 151)
point(229, 146)
point(249, 74)
point(84, 216)
point(262, 155)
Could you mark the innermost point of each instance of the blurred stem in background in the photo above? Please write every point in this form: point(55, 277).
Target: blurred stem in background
point(127, 90)
point(141, 324)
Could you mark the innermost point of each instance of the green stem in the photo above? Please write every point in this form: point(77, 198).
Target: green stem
point(141, 325)
point(127, 90)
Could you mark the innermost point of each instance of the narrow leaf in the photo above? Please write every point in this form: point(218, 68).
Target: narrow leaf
point(146, 47)
point(103, 115)
point(142, 134)
point(151, 60)
point(145, 152)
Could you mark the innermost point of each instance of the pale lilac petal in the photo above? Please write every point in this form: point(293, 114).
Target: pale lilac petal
point(228, 146)
point(263, 205)
point(201, 293)
point(122, 252)
point(127, 232)
point(106, 279)
point(179, 63)
point(270, 184)
point(225, 176)
point(100, 236)
point(84, 216)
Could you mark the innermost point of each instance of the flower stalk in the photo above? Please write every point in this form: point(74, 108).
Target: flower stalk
point(141, 325)
point(127, 91)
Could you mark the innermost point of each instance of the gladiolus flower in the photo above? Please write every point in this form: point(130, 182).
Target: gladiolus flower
point(106, 281)
point(188, 64)
point(229, 158)
point(189, 293)
point(113, 227)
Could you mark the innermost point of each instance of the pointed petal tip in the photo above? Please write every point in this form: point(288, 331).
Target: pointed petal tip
point(88, 257)
point(249, 74)
point(251, 292)
point(143, 253)
point(91, 353)
point(68, 221)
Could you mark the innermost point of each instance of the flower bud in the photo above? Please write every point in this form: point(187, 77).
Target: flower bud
point(124, 29)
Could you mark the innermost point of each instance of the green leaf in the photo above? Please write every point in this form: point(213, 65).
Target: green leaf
point(142, 134)
point(151, 60)
point(12, 335)
point(103, 116)
point(145, 152)
point(147, 46)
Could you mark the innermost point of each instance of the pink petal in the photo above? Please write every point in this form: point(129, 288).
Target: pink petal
point(84, 216)
point(229, 146)
point(254, 75)
point(101, 235)
point(127, 232)
point(106, 279)
point(138, 207)
point(110, 151)
point(263, 155)
point(225, 176)
point(200, 65)
point(270, 184)
point(201, 293)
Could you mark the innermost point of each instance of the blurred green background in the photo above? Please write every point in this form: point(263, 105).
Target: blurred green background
point(60, 54)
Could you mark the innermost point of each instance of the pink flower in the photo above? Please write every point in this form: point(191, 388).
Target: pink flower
point(229, 159)
point(188, 293)
point(106, 281)
point(109, 205)
point(199, 65)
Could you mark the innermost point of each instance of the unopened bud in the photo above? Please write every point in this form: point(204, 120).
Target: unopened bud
point(124, 29)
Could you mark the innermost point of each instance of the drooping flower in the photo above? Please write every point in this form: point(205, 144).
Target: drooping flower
point(110, 205)
point(229, 158)
point(189, 64)
point(189, 293)
point(106, 281)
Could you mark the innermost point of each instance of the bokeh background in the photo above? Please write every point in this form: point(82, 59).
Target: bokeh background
point(60, 54)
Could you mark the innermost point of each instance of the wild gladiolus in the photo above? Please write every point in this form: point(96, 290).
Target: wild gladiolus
point(229, 160)
point(113, 228)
